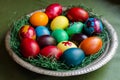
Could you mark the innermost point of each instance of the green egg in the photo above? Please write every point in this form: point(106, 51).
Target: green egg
point(60, 35)
point(75, 27)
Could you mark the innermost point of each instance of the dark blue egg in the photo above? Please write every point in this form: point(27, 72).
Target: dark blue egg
point(73, 56)
point(93, 26)
point(41, 30)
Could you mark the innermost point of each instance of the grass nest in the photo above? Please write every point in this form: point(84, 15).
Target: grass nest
point(52, 63)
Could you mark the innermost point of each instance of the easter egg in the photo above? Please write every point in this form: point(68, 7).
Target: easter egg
point(77, 14)
point(59, 22)
point(78, 38)
point(39, 19)
point(53, 10)
point(27, 31)
point(51, 51)
point(41, 30)
point(60, 35)
point(91, 45)
point(29, 48)
point(93, 26)
point(75, 27)
point(64, 45)
point(46, 40)
point(73, 56)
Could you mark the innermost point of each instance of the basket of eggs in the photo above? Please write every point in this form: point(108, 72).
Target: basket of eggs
point(61, 41)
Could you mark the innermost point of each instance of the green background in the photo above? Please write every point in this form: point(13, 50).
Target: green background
point(11, 10)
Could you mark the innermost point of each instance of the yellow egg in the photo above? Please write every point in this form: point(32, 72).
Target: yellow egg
point(59, 22)
point(64, 45)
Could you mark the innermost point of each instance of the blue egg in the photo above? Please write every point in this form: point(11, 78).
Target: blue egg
point(73, 56)
point(93, 26)
point(41, 30)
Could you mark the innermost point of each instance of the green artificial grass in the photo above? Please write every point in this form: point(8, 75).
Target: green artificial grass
point(52, 63)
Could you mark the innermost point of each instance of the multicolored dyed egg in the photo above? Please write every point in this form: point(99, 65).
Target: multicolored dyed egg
point(41, 30)
point(73, 56)
point(46, 40)
point(78, 38)
point(59, 22)
point(27, 31)
point(91, 45)
point(93, 26)
point(60, 35)
point(64, 45)
point(51, 51)
point(75, 27)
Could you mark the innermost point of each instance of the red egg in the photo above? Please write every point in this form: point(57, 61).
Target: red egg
point(27, 31)
point(29, 47)
point(51, 51)
point(53, 10)
point(77, 14)
point(91, 45)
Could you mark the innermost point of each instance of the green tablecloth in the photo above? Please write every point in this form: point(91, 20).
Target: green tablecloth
point(11, 10)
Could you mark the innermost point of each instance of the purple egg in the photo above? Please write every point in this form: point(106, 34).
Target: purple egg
point(78, 38)
point(93, 26)
point(46, 40)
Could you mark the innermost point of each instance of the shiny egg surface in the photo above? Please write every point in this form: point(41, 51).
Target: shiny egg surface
point(75, 27)
point(42, 30)
point(51, 51)
point(78, 38)
point(46, 40)
point(93, 26)
point(60, 35)
point(73, 56)
point(59, 22)
point(64, 45)
point(29, 48)
point(27, 31)
point(91, 45)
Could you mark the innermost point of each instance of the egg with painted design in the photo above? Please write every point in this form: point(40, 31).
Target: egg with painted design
point(93, 26)
point(64, 45)
point(27, 31)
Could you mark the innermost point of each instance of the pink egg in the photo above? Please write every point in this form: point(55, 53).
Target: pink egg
point(51, 51)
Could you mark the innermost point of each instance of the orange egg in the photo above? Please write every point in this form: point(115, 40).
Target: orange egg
point(91, 45)
point(39, 19)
